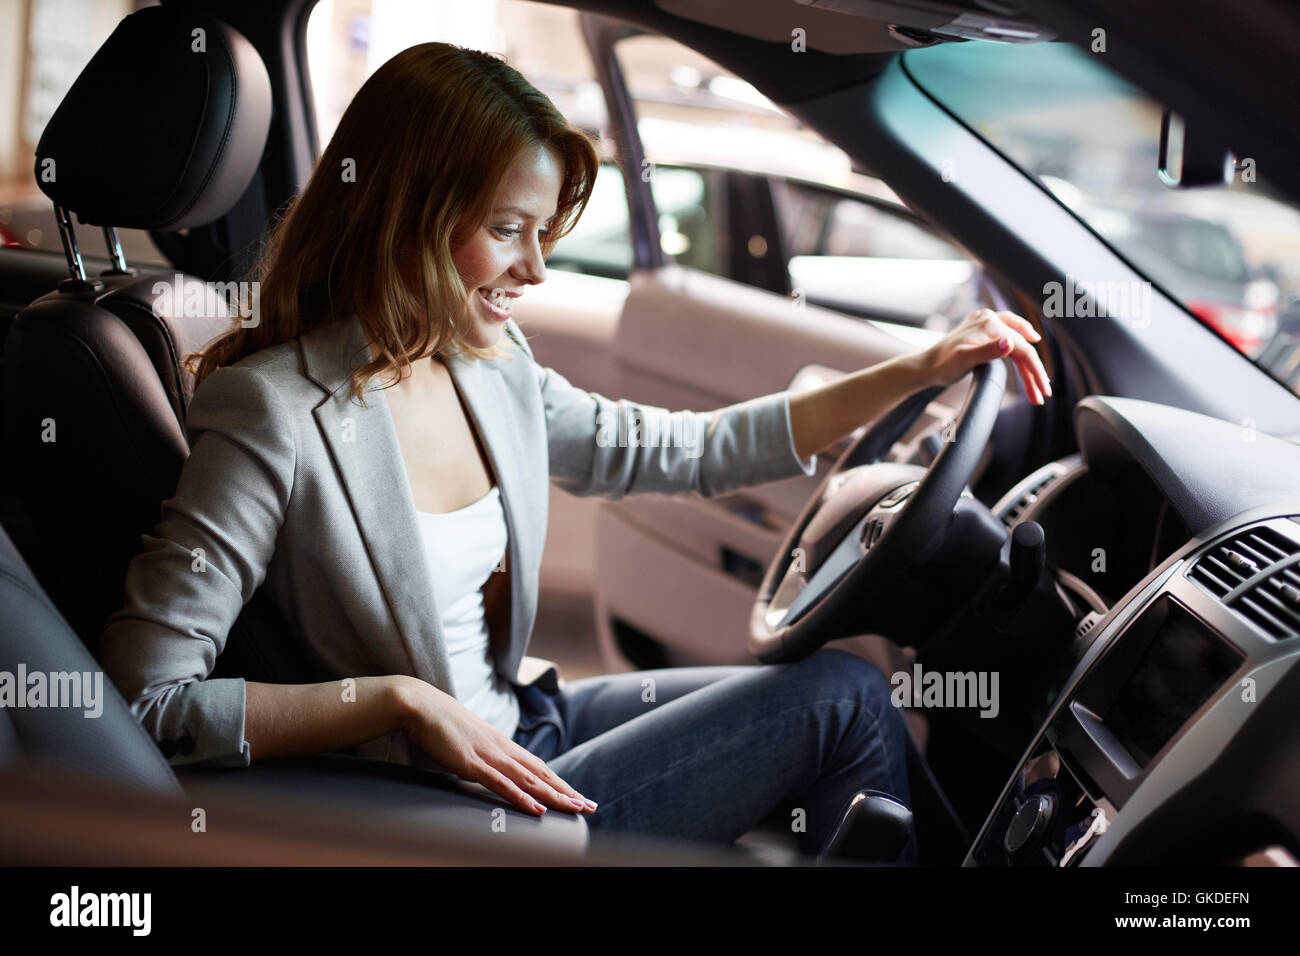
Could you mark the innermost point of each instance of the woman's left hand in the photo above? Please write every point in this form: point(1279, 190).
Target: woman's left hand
point(983, 337)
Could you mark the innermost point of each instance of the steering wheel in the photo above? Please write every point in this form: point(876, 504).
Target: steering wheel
point(868, 522)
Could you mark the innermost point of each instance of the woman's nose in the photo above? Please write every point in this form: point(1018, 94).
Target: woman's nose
point(531, 266)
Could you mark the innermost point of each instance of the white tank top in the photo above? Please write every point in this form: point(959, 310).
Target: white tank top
point(462, 548)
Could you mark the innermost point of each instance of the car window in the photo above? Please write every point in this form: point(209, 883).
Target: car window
point(770, 194)
point(689, 209)
point(849, 254)
point(854, 228)
point(1230, 254)
point(693, 115)
point(49, 42)
point(600, 243)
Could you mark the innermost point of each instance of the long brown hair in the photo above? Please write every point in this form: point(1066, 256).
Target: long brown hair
point(410, 173)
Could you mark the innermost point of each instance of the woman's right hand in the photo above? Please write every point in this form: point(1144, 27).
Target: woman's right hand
point(471, 748)
point(983, 336)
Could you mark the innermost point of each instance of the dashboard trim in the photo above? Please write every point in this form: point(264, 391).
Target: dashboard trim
point(1185, 761)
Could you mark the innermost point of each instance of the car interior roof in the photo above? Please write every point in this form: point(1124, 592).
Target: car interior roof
point(744, 55)
point(773, 21)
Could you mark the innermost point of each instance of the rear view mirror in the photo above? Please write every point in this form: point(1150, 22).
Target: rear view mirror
point(1187, 158)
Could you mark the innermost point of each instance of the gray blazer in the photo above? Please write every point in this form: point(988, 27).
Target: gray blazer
point(291, 486)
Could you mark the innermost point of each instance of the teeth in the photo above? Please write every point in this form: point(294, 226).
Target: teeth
point(499, 300)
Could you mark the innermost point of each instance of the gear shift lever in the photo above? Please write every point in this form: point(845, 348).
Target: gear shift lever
point(1028, 558)
point(874, 829)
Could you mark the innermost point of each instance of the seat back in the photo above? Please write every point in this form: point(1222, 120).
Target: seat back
point(94, 428)
point(95, 396)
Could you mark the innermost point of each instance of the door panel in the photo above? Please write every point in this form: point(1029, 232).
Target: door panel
point(693, 610)
point(688, 334)
point(682, 573)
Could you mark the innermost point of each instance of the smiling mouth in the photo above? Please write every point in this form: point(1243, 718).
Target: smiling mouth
point(497, 301)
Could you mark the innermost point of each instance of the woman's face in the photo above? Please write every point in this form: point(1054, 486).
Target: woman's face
point(505, 255)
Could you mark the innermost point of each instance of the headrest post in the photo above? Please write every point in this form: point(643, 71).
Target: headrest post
point(115, 257)
point(69, 238)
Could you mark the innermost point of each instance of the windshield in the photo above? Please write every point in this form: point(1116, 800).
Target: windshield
point(1230, 254)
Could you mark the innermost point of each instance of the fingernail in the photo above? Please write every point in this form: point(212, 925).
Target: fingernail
point(538, 807)
point(590, 803)
point(1002, 344)
point(1048, 387)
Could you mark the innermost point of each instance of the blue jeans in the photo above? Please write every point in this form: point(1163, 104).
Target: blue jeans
point(706, 753)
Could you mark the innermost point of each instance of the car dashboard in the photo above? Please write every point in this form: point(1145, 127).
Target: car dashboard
point(1173, 739)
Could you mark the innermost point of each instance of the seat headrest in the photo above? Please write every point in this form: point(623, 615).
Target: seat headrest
point(163, 129)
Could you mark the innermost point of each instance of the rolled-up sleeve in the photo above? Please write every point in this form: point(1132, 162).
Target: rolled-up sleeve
point(611, 448)
point(202, 563)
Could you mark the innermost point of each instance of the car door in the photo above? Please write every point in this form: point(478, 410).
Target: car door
point(676, 577)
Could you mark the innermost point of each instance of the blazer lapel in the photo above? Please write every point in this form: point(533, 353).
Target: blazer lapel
point(363, 443)
point(485, 393)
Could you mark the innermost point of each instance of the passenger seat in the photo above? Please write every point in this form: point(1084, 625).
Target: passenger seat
point(95, 395)
point(95, 404)
point(112, 745)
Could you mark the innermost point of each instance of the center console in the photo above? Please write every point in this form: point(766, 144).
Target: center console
point(1182, 707)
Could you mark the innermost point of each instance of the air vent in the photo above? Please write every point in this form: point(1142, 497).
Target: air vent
point(1231, 563)
point(1274, 603)
point(1087, 623)
point(1028, 497)
point(1259, 556)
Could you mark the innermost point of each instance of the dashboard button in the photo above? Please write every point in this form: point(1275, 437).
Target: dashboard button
point(1029, 827)
point(897, 495)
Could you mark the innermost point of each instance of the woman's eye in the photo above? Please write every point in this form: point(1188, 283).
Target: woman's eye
point(513, 232)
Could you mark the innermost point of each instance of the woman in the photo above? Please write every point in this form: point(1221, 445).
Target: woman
point(376, 518)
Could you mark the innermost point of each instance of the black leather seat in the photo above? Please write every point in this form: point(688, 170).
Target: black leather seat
point(36, 639)
point(95, 403)
point(95, 396)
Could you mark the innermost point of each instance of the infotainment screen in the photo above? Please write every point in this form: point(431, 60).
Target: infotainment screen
point(1182, 666)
